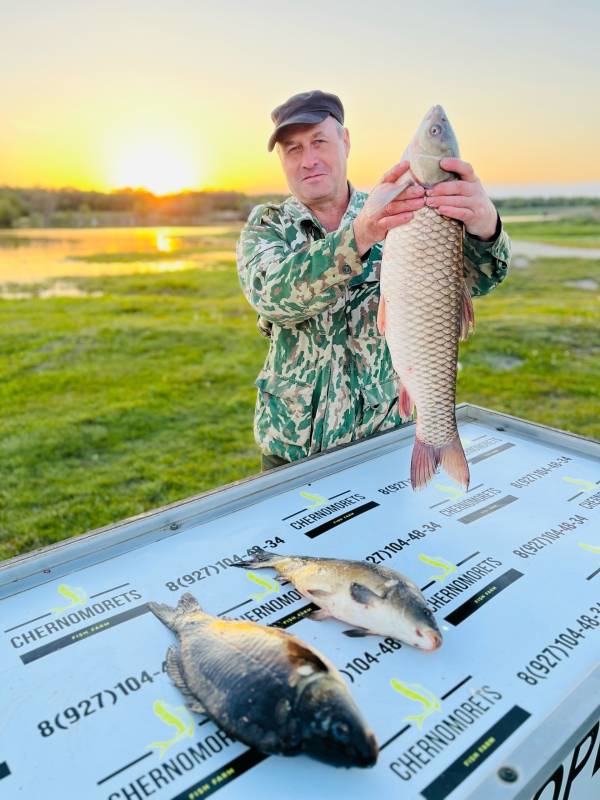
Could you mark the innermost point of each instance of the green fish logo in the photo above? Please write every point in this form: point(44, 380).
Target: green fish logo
point(77, 596)
point(587, 486)
point(418, 693)
point(317, 500)
point(446, 567)
point(268, 586)
point(177, 717)
point(592, 548)
point(451, 490)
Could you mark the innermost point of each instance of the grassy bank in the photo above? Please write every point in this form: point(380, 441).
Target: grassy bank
point(574, 232)
point(140, 392)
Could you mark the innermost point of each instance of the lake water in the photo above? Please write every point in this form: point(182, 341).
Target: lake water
point(31, 255)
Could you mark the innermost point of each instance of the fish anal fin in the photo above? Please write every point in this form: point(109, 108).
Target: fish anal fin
point(381, 315)
point(356, 633)
point(362, 594)
point(174, 671)
point(467, 316)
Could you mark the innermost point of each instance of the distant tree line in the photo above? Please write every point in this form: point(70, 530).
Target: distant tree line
point(66, 208)
point(516, 203)
point(74, 208)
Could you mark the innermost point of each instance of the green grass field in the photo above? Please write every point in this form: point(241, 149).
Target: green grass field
point(568, 232)
point(115, 404)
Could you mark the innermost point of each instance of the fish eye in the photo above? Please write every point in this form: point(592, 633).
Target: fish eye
point(435, 130)
point(340, 731)
point(419, 634)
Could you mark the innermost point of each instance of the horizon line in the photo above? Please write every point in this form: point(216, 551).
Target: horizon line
point(589, 189)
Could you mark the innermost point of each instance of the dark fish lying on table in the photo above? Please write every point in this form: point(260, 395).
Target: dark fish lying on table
point(265, 687)
point(373, 599)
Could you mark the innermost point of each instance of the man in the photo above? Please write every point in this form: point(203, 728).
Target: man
point(310, 267)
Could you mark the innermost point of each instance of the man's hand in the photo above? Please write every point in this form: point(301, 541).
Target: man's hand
point(464, 199)
point(370, 228)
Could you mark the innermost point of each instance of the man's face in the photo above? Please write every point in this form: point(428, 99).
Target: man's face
point(314, 159)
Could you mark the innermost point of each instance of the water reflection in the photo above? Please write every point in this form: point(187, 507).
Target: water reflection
point(164, 243)
point(29, 255)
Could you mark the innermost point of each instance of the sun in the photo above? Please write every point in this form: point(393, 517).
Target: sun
point(160, 165)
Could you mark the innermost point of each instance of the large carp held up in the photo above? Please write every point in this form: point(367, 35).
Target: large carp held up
point(425, 306)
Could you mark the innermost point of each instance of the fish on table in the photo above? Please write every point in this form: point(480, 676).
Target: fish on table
point(373, 599)
point(264, 687)
point(425, 306)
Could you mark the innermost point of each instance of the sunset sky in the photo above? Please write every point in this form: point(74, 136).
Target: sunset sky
point(178, 93)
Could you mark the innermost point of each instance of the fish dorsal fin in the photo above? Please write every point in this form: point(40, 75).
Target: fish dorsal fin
point(363, 595)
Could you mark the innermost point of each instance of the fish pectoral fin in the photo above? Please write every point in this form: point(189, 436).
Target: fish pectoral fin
point(356, 633)
point(467, 316)
point(175, 672)
point(194, 704)
point(405, 402)
point(362, 594)
point(381, 315)
point(384, 193)
point(319, 592)
point(319, 615)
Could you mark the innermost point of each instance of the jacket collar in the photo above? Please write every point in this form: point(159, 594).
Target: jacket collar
point(299, 213)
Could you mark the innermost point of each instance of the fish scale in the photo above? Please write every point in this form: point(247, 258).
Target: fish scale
point(422, 280)
point(425, 305)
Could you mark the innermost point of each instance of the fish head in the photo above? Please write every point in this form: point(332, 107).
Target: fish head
point(434, 140)
point(333, 728)
point(414, 622)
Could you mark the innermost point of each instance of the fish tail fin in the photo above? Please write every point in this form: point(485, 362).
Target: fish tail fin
point(467, 316)
point(170, 616)
point(165, 613)
point(454, 462)
point(426, 458)
point(424, 463)
point(260, 558)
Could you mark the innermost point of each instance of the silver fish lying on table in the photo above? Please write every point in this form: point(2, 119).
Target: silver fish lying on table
point(265, 687)
point(425, 306)
point(371, 598)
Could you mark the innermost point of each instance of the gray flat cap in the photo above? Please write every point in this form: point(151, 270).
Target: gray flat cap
point(307, 108)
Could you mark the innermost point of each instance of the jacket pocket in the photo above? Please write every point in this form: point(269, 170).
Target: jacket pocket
point(378, 401)
point(283, 414)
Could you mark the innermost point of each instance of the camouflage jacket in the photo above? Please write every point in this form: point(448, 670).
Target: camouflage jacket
point(328, 376)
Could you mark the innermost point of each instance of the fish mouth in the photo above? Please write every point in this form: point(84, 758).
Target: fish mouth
point(368, 756)
point(434, 641)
